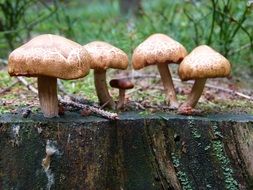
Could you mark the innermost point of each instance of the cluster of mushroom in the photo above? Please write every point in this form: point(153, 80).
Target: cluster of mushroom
point(49, 57)
point(202, 63)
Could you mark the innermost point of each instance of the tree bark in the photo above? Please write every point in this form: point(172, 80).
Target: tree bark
point(175, 152)
point(130, 7)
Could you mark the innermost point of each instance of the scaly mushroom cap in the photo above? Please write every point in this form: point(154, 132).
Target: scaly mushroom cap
point(50, 55)
point(121, 84)
point(204, 62)
point(157, 48)
point(105, 56)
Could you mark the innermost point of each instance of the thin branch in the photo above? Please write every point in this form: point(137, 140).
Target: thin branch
point(32, 24)
point(8, 88)
point(191, 82)
point(220, 88)
point(213, 21)
point(21, 79)
point(195, 24)
point(232, 52)
point(140, 76)
point(239, 25)
point(103, 113)
point(3, 61)
point(28, 86)
point(71, 96)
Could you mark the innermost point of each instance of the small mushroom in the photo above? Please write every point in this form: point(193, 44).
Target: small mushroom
point(49, 57)
point(202, 63)
point(162, 50)
point(105, 56)
point(122, 85)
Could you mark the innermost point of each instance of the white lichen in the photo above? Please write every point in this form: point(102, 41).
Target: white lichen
point(39, 130)
point(51, 149)
point(50, 179)
point(69, 138)
point(15, 135)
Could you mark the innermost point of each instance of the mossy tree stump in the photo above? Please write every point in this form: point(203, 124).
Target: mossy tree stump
point(137, 152)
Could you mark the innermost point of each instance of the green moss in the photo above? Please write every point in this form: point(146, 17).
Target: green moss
point(194, 131)
point(145, 113)
point(82, 87)
point(4, 109)
point(182, 176)
point(5, 79)
point(218, 150)
point(228, 105)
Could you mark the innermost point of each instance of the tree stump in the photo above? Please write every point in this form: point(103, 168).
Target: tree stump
point(138, 151)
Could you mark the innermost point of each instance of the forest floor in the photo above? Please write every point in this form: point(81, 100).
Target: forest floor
point(221, 95)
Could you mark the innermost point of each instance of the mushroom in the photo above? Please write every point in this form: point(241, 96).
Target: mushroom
point(202, 63)
point(105, 56)
point(122, 85)
point(160, 49)
point(49, 57)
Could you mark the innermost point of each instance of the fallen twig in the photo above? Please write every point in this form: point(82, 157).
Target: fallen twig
point(220, 88)
point(192, 82)
point(3, 61)
point(138, 105)
point(103, 113)
point(140, 76)
point(8, 88)
point(21, 79)
point(133, 90)
point(81, 103)
point(72, 97)
point(28, 86)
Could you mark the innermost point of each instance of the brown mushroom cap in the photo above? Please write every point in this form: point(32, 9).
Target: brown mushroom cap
point(121, 83)
point(204, 62)
point(158, 48)
point(105, 56)
point(50, 55)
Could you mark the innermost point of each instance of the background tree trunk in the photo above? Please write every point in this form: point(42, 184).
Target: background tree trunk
point(130, 7)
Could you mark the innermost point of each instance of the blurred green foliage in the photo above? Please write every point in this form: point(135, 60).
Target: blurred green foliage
point(5, 79)
point(226, 25)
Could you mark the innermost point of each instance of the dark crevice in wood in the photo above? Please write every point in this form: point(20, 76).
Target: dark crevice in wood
point(155, 164)
point(239, 162)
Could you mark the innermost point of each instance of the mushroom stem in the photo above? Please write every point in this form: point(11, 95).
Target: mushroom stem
point(168, 85)
point(121, 99)
point(195, 94)
point(102, 90)
point(47, 87)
